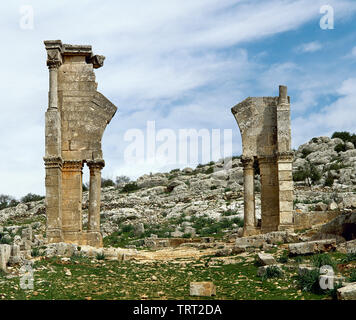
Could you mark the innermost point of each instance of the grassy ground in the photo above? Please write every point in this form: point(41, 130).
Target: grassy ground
point(100, 279)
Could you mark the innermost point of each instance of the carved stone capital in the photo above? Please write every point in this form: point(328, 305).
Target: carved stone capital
point(97, 61)
point(72, 165)
point(286, 156)
point(247, 162)
point(96, 164)
point(53, 162)
point(54, 53)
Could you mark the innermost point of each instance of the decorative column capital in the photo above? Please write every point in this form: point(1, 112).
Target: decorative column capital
point(286, 156)
point(54, 53)
point(247, 162)
point(73, 165)
point(96, 164)
point(53, 162)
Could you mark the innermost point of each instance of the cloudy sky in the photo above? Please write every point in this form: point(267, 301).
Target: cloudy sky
point(182, 64)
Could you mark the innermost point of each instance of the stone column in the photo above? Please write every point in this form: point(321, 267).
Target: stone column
point(94, 235)
point(249, 197)
point(53, 157)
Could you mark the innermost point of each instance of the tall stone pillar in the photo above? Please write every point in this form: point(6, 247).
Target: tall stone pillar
point(269, 194)
point(53, 158)
point(249, 197)
point(284, 161)
point(94, 235)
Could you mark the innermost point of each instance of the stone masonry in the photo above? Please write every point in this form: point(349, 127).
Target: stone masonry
point(76, 118)
point(264, 124)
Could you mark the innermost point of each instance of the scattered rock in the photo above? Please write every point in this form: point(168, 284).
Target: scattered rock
point(312, 247)
point(202, 289)
point(265, 259)
point(348, 292)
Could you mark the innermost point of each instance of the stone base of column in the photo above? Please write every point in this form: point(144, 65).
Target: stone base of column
point(93, 238)
point(54, 235)
point(251, 231)
point(72, 237)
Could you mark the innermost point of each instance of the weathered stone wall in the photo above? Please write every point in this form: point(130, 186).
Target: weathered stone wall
point(76, 118)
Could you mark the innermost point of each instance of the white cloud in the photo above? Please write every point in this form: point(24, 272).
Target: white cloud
point(338, 116)
point(353, 52)
point(173, 61)
point(310, 47)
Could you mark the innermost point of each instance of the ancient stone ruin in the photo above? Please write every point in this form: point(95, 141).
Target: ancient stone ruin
point(76, 118)
point(264, 124)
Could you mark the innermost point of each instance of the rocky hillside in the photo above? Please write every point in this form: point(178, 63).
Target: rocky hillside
point(205, 201)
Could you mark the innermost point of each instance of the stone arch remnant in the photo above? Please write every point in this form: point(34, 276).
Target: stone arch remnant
point(264, 124)
point(76, 118)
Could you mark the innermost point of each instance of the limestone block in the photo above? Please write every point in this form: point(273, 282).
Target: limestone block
point(27, 234)
point(312, 246)
point(5, 253)
point(285, 185)
point(202, 289)
point(266, 259)
point(348, 292)
point(285, 166)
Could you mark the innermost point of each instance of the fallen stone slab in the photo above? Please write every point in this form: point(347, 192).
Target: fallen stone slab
point(347, 247)
point(202, 289)
point(265, 259)
point(348, 292)
point(312, 247)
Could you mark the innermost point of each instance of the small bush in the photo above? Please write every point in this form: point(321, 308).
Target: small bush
point(130, 187)
point(272, 272)
point(341, 147)
point(323, 259)
point(31, 197)
point(85, 187)
point(329, 181)
point(210, 170)
point(100, 256)
point(4, 240)
point(35, 252)
point(229, 213)
point(350, 257)
point(7, 201)
point(352, 277)
point(107, 183)
point(283, 258)
point(309, 281)
point(128, 228)
point(345, 136)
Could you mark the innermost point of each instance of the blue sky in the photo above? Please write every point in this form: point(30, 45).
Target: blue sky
point(183, 64)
